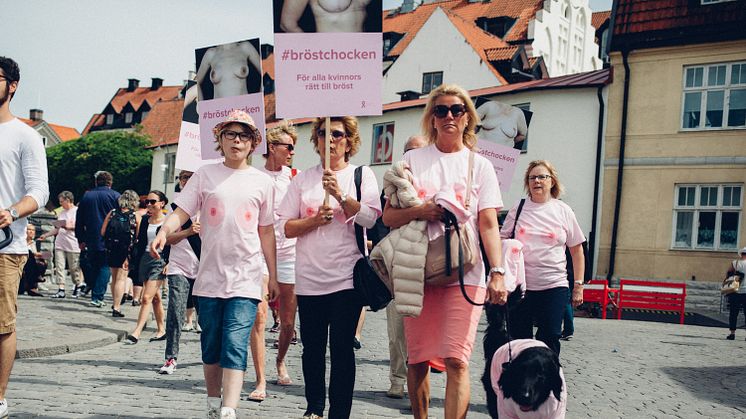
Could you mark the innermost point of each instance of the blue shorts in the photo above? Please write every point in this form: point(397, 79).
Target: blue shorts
point(226, 325)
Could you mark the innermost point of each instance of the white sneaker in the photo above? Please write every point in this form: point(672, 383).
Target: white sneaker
point(213, 407)
point(188, 327)
point(4, 409)
point(168, 367)
point(227, 413)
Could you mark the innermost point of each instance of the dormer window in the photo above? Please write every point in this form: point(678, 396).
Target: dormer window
point(128, 117)
point(110, 119)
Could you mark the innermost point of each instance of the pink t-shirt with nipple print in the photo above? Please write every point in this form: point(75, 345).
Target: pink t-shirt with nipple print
point(232, 204)
point(544, 229)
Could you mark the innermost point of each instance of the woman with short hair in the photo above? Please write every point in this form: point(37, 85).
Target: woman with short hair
point(326, 253)
point(119, 249)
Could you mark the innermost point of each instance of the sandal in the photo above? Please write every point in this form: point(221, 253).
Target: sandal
point(131, 340)
point(284, 380)
point(258, 396)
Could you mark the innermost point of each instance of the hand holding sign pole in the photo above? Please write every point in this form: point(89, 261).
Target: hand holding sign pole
point(327, 150)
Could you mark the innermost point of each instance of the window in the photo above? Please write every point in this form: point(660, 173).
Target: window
point(715, 1)
point(714, 96)
point(144, 115)
point(430, 81)
point(526, 107)
point(110, 119)
point(128, 118)
point(170, 163)
point(707, 217)
point(383, 143)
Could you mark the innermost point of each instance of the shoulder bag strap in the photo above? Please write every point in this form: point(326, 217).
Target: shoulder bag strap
point(467, 200)
point(517, 214)
point(359, 236)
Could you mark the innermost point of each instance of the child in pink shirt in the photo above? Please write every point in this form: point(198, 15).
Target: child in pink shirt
point(235, 204)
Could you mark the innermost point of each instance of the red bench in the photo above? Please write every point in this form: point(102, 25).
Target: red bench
point(597, 291)
point(650, 295)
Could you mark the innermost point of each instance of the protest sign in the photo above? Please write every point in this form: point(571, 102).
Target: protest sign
point(229, 76)
point(189, 151)
point(502, 132)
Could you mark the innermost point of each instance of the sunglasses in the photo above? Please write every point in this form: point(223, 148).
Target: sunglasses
point(336, 134)
point(152, 201)
point(289, 146)
point(231, 135)
point(441, 111)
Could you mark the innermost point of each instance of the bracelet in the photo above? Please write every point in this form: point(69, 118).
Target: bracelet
point(579, 282)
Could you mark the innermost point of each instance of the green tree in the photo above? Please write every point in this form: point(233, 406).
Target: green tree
point(122, 153)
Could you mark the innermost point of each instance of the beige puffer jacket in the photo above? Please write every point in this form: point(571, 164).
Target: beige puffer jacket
point(399, 259)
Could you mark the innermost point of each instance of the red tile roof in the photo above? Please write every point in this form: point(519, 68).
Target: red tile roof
point(650, 23)
point(599, 18)
point(268, 66)
point(143, 94)
point(96, 121)
point(410, 23)
point(65, 133)
point(499, 54)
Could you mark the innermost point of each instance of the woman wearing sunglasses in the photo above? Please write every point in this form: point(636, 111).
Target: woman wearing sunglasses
point(546, 226)
point(326, 252)
point(443, 334)
point(279, 157)
point(151, 272)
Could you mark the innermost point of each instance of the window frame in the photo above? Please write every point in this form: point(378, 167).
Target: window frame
point(704, 91)
point(431, 74)
point(708, 2)
point(697, 207)
point(169, 175)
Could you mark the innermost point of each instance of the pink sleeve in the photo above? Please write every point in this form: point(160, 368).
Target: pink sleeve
point(267, 210)
point(574, 233)
point(190, 198)
point(489, 190)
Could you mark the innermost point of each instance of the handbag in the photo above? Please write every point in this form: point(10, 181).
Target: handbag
point(732, 283)
point(366, 282)
point(452, 250)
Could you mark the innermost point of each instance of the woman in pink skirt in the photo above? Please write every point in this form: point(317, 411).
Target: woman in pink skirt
point(443, 335)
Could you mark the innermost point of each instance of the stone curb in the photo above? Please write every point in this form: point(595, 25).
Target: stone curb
point(65, 348)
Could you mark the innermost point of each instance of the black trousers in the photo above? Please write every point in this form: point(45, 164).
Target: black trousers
point(737, 303)
point(331, 317)
point(546, 308)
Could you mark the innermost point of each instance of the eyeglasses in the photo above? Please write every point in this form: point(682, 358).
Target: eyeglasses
point(151, 201)
point(441, 111)
point(183, 177)
point(289, 146)
point(540, 178)
point(336, 134)
point(231, 135)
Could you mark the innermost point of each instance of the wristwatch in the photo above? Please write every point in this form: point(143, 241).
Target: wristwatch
point(579, 282)
point(13, 213)
point(343, 199)
point(497, 270)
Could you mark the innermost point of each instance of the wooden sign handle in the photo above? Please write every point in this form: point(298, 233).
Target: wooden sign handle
point(327, 161)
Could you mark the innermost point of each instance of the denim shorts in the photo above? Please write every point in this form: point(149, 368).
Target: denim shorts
point(226, 325)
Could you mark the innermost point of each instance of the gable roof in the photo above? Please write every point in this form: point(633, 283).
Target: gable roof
point(410, 23)
point(163, 122)
point(599, 18)
point(142, 94)
point(63, 132)
point(656, 23)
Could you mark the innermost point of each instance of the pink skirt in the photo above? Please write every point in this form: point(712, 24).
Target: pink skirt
point(446, 327)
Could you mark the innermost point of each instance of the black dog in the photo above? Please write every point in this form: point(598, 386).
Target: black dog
point(531, 377)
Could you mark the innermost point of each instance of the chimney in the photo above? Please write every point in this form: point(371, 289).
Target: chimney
point(132, 84)
point(36, 115)
point(407, 6)
point(156, 83)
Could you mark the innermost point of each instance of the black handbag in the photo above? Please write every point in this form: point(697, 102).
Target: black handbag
point(368, 285)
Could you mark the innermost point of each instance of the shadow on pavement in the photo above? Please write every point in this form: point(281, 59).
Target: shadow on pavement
point(722, 385)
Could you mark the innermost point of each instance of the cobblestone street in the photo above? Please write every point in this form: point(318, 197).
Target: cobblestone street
point(625, 369)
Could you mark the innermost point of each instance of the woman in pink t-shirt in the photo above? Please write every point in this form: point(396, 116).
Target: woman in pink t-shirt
point(326, 253)
point(235, 206)
point(546, 226)
point(443, 334)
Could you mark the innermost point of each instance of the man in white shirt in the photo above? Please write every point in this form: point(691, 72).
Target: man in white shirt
point(23, 189)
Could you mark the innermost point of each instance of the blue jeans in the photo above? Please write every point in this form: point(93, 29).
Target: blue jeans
point(546, 308)
point(226, 324)
point(101, 272)
point(569, 326)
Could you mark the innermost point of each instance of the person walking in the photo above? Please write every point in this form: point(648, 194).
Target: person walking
point(737, 300)
point(546, 227)
point(25, 189)
point(66, 250)
point(120, 230)
point(182, 258)
point(326, 253)
point(151, 269)
point(92, 210)
point(235, 206)
point(443, 335)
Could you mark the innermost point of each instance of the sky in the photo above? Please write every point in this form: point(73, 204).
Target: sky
point(74, 54)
